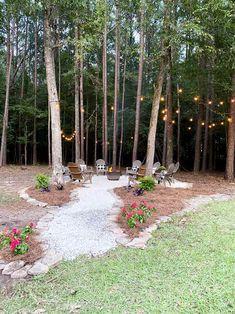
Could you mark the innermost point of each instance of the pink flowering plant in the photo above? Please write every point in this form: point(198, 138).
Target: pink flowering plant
point(136, 215)
point(16, 239)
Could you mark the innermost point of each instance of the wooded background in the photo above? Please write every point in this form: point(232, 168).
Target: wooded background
point(115, 76)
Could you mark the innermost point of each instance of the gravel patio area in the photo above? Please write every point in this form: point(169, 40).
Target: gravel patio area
point(81, 226)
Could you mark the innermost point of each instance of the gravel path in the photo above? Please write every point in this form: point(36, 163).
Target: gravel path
point(82, 227)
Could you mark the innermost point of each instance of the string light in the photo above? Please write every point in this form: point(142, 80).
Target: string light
point(209, 102)
point(142, 98)
point(229, 119)
point(164, 118)
point(232, 100)
point(112, 108)
point(162, 98)
point(180, 90)
point(210, 126)
point(191, 119)
point(196, 98)
point(163, 111)
point(132, 138)
point(82, 110)
point(221, 103)
point(177, 111)
point(222, 123)
point(203, 123)
point(189, 128)
point(173, 121)
point(213, 124)
point(68, 138)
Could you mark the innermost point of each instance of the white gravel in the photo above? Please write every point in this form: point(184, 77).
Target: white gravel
point(82, 226)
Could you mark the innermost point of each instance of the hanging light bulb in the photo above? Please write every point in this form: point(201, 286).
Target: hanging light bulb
point(203, 123)
point(189, 128)
point(142, 98)
point(162, 98)
point(221, 103)
point(173, 121)
point(213, 124)
point(196, 98)
point(229, 119)
point(222, 123)
point(191, 119)
point(209, 102)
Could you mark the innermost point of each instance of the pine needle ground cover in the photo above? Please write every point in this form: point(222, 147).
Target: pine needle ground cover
point(188, 267)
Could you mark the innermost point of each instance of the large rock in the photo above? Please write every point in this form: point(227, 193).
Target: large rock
point(21, 273)
point(51, 259)
point(12, 267)
point(2, 264)
point(38, 268)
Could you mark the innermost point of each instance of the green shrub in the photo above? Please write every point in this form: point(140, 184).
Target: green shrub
point(162, 168)
point(42, 181)
point(147, 183)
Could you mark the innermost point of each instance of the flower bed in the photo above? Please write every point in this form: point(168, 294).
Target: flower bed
point(18, 242)
point(136, 216)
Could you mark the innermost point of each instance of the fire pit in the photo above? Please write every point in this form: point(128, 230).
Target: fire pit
point(113, 174)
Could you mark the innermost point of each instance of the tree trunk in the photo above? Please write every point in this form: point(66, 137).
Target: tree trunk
point(229, 172)
point(53, 101)
point(77, 115)
point(49, 135)
point(123, 102)
point(139, 86)
point(205, 145)
point(81, 105)
point(105, 91)
point(35, 94)
point(10, 44)
point(169, 100)
point(154, 119)
point(96, 125)
point(87, 131)
point(116, 85)
point(197, 154)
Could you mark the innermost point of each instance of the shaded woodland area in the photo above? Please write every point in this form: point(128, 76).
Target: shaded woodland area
point(119, 80)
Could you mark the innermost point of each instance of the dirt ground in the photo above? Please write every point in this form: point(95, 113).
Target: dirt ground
point(170, 200)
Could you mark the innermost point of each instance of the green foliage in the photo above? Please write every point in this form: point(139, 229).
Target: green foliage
point(42, 181)
point(147, 183)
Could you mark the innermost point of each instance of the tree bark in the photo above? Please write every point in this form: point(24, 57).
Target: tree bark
point(10, 44)
point(139, 86)
point(53, 101)
point(123, 102)
point(81, 105)
point(116, 85)
point(229, 172)
point(76, 104)
point(35, 94)
point(169, 100)
point(197, 154)
point(96, 125)
point(105, 91)
point(205, 145)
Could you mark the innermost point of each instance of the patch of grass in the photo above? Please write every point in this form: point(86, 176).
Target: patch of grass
point(188, 267)
point(7, 198)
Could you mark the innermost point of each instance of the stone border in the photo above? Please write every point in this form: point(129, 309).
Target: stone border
point(25, 196)
point(191, 205)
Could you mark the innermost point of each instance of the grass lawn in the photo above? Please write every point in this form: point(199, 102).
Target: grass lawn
point(188, 267)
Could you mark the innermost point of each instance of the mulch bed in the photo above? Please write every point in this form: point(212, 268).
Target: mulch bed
point(34, 253)
point(170, 200)
point(55, 197)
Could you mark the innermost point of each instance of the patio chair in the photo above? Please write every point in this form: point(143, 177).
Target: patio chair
point(101, 166)
point(156, 166)
point(165, 176)
point(83, 166)
point(135, 167)
point(75, 171)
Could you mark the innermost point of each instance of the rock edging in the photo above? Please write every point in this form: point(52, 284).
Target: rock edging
point(191, 205)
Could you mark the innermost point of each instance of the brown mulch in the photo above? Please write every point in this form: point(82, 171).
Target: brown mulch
point(55, 197)
point(170, 200)
point(34, 253)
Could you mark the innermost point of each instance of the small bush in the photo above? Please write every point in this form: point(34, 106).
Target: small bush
point(42, 181)
point(147, 183)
